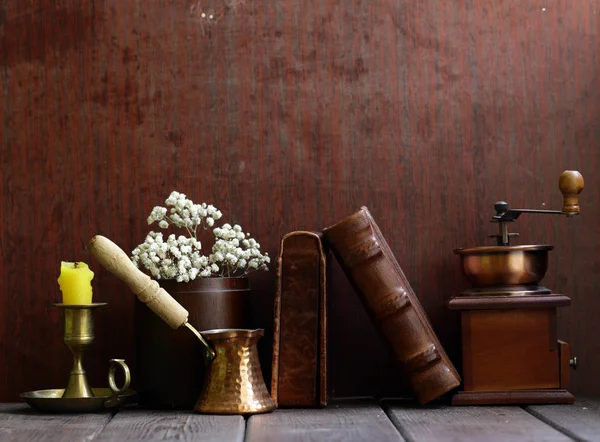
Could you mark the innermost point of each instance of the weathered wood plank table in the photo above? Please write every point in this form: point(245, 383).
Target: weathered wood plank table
point(343, 420)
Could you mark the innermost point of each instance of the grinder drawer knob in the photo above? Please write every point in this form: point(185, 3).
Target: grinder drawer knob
point(573, 362)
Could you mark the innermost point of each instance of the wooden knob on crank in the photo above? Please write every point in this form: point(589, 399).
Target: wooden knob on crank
point(570, 184)
point(114, 259)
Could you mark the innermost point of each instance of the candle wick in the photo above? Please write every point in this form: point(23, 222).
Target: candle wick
point(75, 264)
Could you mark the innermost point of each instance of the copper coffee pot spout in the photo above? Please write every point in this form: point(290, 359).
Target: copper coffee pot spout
point(570, 184)
point(116, 261)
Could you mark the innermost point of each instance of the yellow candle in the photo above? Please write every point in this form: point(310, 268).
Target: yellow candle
point(75, 282)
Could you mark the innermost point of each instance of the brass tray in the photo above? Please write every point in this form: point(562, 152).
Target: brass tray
point(51, 401)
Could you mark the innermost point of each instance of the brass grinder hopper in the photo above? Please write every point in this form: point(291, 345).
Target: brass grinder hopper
point(515, 270)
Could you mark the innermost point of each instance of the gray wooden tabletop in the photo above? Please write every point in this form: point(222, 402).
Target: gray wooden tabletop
point(343, 420)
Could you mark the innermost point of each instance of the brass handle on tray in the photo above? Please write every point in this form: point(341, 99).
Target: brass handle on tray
point(114, 365)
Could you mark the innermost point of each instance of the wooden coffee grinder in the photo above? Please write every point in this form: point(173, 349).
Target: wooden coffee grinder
point(510, 350)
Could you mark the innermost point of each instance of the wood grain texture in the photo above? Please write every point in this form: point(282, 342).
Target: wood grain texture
point(146, 425)
point(564, 352)
point(19, 422)
point(352, 420)
point(513, 397)
point(441, 423)
point(510, 350)
point(581, 421)
point(287, 116)
point(507, 302)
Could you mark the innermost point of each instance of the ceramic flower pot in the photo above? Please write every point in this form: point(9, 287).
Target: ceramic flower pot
point(170, 366)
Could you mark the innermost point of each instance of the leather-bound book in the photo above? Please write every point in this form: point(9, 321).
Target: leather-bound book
point(372, 269)
point(300, 328)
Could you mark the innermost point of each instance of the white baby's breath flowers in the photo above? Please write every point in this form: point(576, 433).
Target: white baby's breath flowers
point(233, 254)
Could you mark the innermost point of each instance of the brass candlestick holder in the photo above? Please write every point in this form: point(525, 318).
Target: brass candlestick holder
point(78, 396)
point(78, 336)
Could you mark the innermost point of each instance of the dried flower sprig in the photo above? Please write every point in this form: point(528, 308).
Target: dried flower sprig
point(184, 214)
point(233, 254)
point(235, 251)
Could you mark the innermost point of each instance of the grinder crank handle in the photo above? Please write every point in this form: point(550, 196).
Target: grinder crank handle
point(114, 259)
point(570, 184)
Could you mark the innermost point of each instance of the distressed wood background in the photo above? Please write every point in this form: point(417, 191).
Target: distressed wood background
point(290, 115)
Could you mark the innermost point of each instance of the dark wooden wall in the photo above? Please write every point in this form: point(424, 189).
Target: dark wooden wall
point(290, 115)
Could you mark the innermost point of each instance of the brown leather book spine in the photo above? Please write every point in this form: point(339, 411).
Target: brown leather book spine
point(300, 323)
point(394, 308)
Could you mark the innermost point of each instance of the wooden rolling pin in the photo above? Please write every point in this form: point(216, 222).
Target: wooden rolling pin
point(114, 259)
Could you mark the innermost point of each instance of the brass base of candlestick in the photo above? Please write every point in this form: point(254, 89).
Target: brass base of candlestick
point(78, 335)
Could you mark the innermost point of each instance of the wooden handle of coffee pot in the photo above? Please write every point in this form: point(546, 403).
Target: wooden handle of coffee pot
point(114, 259)
point(570, 184)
